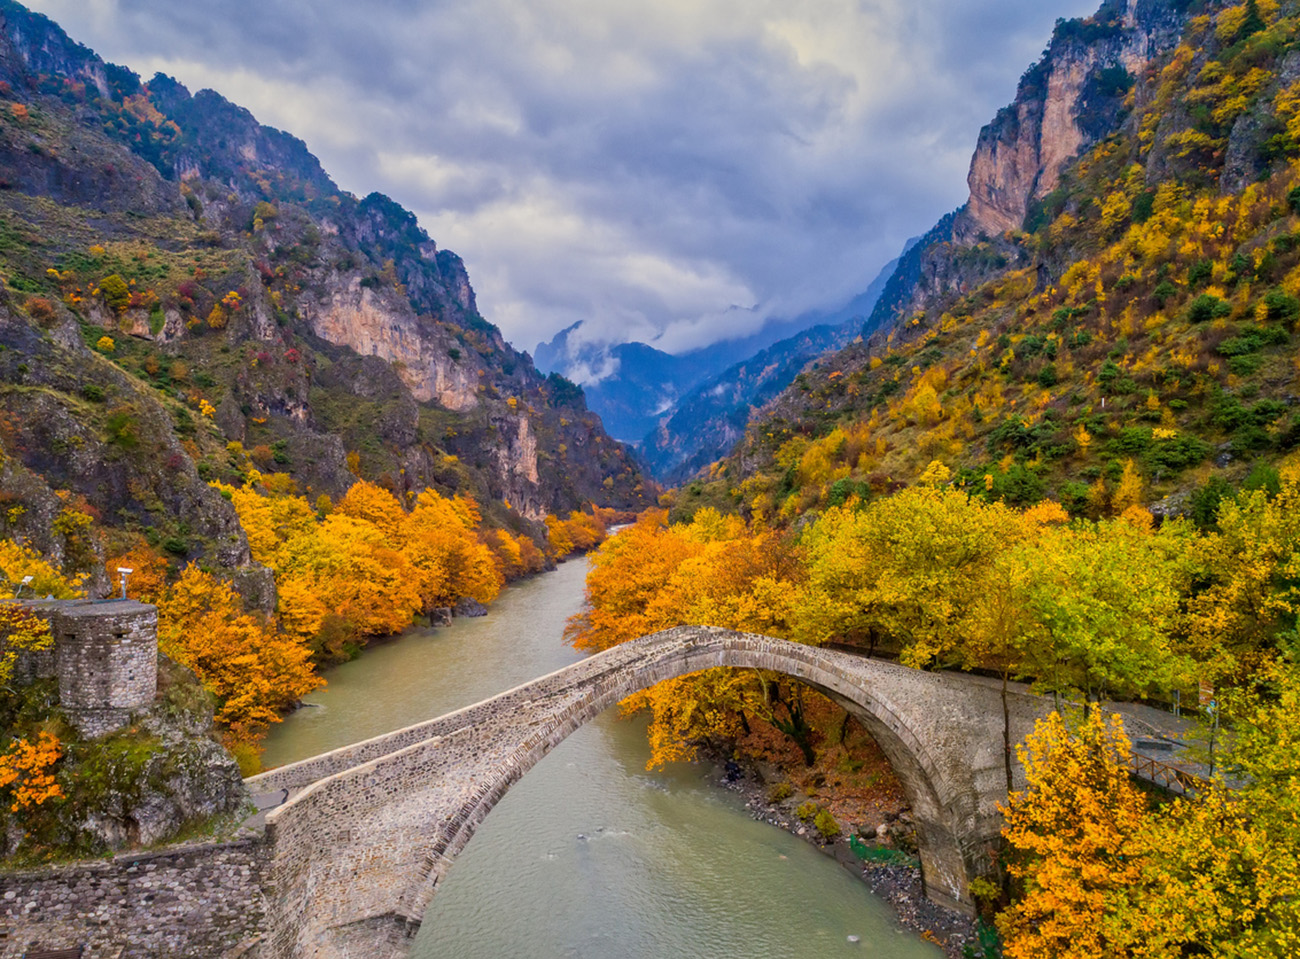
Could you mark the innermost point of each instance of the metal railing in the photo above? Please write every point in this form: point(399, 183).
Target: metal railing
point(1170, 778)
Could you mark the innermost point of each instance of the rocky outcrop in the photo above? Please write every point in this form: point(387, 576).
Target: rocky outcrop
point(1069, 101)
point(384, 325)
point(145, 784)
point(269, 320)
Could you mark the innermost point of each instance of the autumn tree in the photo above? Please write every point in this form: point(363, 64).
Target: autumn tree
point(21, 631)
point(1220, 877)
point(254, 670)
point(1075, 833)
point(27, 776)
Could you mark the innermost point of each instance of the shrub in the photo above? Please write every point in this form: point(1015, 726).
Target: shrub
point(779, 792)
point(1282, 306)
point(1207, 307)
point(116, 292)
point(807, 810)
point(826, 824)
point(1164, 292)
point(1203, 506)
point(105, 344)
point(40, 309)
point(1178, 453)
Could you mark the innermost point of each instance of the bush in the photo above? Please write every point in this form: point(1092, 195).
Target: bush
point(1177, 454)
point(1207, 307)
point(1018, 486)
point(826, 824)
point(807, 810)
point(1203, 506)
point(116, 292)
point(1282, 306)
point(1164, 292)
point(40, 309)
point(779, 792)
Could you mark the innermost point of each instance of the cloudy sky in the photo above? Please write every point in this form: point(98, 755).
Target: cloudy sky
point(671, 171)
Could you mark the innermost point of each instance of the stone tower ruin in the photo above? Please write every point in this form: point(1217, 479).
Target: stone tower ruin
point(105, 657)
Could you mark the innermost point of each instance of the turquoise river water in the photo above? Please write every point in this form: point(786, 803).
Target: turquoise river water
point(590, 856)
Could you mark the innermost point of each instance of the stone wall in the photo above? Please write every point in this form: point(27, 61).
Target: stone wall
point(191, 902)
point(105, 656)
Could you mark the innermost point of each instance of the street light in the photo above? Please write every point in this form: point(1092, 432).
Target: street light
point(26, 580)
point(125, 571)
point(1213, 710)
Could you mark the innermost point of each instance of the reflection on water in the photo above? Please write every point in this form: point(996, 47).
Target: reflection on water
point(590, 856)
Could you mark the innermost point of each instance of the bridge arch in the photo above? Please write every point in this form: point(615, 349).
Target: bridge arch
point(360, 851)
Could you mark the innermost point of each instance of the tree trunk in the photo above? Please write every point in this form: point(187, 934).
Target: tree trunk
point(1006, 732)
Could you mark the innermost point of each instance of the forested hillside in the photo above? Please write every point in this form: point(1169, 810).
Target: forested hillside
point(188, 295)
point(1131, 340)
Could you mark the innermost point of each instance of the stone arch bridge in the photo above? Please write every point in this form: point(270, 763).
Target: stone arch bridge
point(368, 831)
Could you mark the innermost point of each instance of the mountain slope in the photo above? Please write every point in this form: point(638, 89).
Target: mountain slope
point(635, 387)
point(1131, 341)
point(190, 296)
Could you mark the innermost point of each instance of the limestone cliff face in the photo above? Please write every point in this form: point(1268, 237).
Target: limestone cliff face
point(516, 466)
point(375, 324)
point(325, 337)
point(1066, 103)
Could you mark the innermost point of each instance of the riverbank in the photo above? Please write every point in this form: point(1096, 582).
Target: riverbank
point(897, 884)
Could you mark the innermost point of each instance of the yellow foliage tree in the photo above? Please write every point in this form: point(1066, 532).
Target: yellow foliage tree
point(21, 631)
point(1076, 838)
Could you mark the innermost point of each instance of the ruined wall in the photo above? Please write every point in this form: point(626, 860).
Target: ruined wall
point(192, 902)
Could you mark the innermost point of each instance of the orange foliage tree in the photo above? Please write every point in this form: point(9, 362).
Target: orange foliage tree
point(254, 669)
point(26, 771)
point(710, 571)
point(1076, 835)
point(368, 567)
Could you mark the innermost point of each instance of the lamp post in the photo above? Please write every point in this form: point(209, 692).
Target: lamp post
point(26, 581)
point(125, 571)
point(1213, 710)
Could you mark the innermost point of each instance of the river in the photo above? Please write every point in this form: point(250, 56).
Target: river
point(590, 856)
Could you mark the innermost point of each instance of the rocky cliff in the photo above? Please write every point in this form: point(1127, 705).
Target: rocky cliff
point(1135, 329)
point(1067, 102)
point(1079, 93)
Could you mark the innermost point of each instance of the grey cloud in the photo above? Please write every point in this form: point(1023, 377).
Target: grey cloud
point(643, 166)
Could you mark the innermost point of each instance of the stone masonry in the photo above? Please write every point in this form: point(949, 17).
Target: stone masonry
point(105, 657)
point(360, 838)
point(189, 902)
